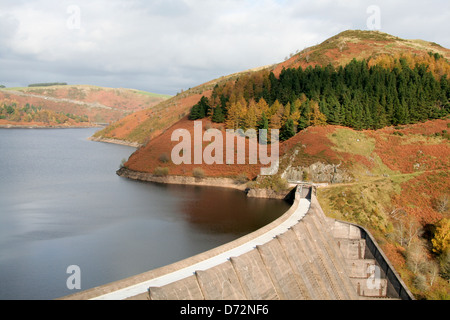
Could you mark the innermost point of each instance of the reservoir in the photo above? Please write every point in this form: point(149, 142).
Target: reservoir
point(61, 204)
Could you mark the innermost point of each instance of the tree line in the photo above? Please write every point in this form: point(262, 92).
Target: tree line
point(47, 84)
point(358, 95)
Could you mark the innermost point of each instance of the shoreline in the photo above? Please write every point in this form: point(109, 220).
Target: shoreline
point(13, 126)
point(116, 141)
point(204, 182)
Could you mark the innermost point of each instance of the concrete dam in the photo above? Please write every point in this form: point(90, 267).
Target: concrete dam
point(303, 255)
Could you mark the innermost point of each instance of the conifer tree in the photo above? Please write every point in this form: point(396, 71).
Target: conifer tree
point(218, 116)
point(263, 127)
point(262, 107)
point(250, 118)
point(236, 114)
point(286, 113)
point(287, 131)
point(200, 110)
point(317, 117)
point(384, 91)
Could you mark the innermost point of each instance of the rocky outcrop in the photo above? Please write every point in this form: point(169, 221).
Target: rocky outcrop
point(318, 172)
point(269, 194)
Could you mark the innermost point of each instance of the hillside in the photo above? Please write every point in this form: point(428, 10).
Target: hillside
point(14, 115)
point(375, 47)
point(356, 44)
point(364, 112)
point(399, 189)
point(96, 104)
point(140, 127)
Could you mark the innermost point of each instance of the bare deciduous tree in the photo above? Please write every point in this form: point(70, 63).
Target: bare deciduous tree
point(442, 203)
point(432, 269)
point(407, 228)
point(415, 257)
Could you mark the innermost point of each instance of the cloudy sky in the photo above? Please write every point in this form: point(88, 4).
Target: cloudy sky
point(164, 46)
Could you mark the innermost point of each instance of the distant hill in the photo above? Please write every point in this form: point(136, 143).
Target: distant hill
point(96, 104)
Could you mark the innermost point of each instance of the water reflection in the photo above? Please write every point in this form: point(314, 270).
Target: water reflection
point(221, 210)
point(62, 204)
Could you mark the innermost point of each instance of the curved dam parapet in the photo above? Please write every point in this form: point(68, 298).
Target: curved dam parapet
point(303, 255)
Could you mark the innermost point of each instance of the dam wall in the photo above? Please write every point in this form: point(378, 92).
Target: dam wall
point(303, 255)
point(364, 254)
point(395, 285)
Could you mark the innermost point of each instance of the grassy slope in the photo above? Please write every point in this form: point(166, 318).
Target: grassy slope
point(405, 174)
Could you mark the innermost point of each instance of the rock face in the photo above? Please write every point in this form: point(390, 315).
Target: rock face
point(318, 172)
point(116, 141)
point(268, 194)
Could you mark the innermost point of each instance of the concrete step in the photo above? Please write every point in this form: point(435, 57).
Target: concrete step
point(331, 274)
point(335, 263)
point(360, 268)
point(331, 229)
point(352, 249)
point(334, 252)
point(370, 288)
point(345, 231)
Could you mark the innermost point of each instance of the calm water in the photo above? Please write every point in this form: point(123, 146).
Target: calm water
point(62, 204)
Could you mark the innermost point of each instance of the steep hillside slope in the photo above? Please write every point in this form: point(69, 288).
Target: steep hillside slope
point(144, 125)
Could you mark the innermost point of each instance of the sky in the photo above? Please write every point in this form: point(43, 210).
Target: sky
point(165, 46)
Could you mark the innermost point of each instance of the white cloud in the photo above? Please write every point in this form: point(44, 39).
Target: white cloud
point(168, 45)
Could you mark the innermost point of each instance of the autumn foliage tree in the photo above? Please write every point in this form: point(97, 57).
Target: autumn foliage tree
point(251, 116)
point(316, 118)
point(441, 240)
point(384, 91)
